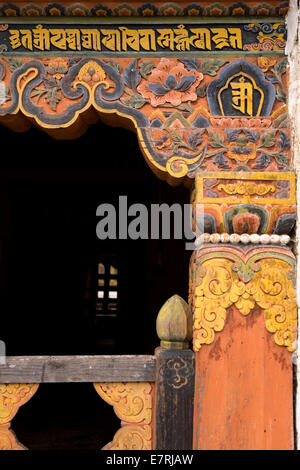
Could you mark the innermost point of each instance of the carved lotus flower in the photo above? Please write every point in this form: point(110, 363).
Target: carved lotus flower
point(170, 82)
point(241, 153)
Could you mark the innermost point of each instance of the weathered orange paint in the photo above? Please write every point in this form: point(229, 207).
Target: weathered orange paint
point(243, 388)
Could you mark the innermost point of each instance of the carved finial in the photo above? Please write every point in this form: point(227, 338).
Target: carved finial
point(174, 324)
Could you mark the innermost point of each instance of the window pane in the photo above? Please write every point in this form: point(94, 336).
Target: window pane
point(112, 306)
point(113, 294)
point(113, 270)
point(101, 268)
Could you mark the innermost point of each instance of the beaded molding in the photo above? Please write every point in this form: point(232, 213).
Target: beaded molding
point(245, 238)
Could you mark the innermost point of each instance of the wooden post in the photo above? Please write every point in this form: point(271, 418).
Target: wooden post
point(174, 387)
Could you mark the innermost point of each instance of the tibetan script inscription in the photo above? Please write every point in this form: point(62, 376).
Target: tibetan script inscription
point(242, 96)
point(119, 39)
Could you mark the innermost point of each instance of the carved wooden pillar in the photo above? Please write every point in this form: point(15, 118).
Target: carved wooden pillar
point(175, 377)
point(242, 274)
point(245, 322)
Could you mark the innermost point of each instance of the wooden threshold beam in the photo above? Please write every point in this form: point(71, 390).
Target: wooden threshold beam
point(54, 369)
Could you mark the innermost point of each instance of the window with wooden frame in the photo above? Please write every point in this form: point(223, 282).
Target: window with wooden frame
point(107, 302)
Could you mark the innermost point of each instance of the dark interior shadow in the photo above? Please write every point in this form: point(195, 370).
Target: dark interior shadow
point(49, 192)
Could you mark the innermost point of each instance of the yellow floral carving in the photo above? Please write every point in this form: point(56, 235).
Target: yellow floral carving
point(12, 396)
point(247, 189)
point(265, 63)
point(8, 440)
point(132, 402)
point(269, 288)
point(131, 438)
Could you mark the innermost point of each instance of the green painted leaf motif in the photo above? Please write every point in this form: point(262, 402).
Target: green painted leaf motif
point(280, 95)
point(146, 68)
point(211, 66)
point(280, 67)
point(268, 140)
point(62, 69)
point(280, 120)
point(134, 101)
point(37, 93)
point(52, 70)
point(129, 92)
point(14, 64)
point(212, 154)
point(113, 64)
point(242, 141)
point(201, 91)
point(184, 107)
point(282, 159)
point(245, 271)
point(53, 97)
point(215, 140)
point(291, 275)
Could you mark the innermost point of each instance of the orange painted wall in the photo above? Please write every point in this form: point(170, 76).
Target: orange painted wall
point(244, 389)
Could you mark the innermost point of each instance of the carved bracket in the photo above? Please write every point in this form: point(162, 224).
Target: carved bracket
point(132, 402)
point(244, 277)
point(12, 396)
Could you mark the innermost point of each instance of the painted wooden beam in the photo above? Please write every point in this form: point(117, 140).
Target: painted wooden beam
point(51, 369)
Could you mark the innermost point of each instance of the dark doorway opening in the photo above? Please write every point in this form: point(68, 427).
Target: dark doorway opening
point(50, 254)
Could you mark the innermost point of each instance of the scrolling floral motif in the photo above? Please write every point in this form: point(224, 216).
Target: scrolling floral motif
point(167, 101)
point(177, 372)
point(12, 396)
point(247, 189)
point(270, 288)
point(132, 403)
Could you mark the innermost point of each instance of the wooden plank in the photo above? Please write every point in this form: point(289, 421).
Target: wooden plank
point(51, 369)
point(174, 399)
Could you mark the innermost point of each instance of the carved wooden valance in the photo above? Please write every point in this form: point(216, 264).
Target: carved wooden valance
point(200, 96)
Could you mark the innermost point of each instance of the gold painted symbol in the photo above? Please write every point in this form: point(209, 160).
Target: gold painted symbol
point(242, 96)
point(242, 89)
